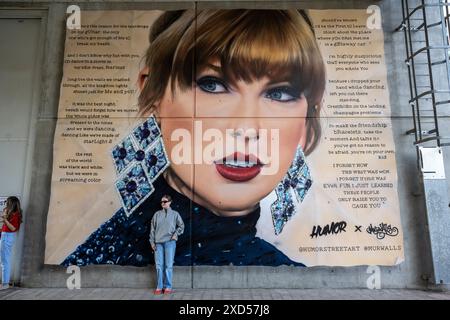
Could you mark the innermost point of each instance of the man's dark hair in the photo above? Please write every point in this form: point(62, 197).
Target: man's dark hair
point(169, 198)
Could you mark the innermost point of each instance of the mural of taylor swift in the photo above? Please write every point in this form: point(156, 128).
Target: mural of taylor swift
point(259, 69)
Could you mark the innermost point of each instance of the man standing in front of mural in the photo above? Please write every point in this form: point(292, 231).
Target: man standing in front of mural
point(166, 226)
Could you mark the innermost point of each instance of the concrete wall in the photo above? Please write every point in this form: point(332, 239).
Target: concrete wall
point(413, 273)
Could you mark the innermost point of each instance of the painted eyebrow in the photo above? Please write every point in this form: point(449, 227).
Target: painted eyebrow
point(282, 83)
point(214, 68)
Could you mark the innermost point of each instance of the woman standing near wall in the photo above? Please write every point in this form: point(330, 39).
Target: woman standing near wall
point(12, 218)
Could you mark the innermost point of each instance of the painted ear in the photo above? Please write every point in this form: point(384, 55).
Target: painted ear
point(142, 78)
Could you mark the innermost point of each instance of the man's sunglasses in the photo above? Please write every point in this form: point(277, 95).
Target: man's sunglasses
point(164, 201)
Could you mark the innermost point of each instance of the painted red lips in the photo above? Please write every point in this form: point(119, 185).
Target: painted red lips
point(239, 167)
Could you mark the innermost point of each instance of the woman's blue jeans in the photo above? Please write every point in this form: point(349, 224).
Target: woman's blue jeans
point(164, 256)
point(6, 246)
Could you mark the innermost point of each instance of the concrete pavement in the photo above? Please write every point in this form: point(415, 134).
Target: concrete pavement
point(220, 294)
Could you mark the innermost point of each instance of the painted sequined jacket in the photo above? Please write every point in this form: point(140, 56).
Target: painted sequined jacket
point(207, 240)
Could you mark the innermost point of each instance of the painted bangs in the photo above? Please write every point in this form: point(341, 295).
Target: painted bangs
point(252, 44)
point(249, 44)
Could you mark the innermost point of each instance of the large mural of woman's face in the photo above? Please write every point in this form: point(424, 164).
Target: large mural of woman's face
point(229, 121)
point(249, 77)
point(225, 186)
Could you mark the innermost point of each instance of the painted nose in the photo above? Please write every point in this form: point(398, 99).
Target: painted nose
point(248, 133)
point(246, 122)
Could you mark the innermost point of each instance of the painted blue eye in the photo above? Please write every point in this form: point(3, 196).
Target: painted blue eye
point(212, 84)
point(283, 94)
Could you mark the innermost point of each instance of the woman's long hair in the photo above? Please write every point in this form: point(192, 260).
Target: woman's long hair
point(12, 206)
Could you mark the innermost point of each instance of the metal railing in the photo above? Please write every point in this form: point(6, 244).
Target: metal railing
point(426, 30)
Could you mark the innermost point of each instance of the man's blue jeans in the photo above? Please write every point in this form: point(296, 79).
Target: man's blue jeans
point(164, 256)
point(6, 246)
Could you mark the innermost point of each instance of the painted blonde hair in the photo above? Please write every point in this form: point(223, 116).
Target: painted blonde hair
point(249, 44)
